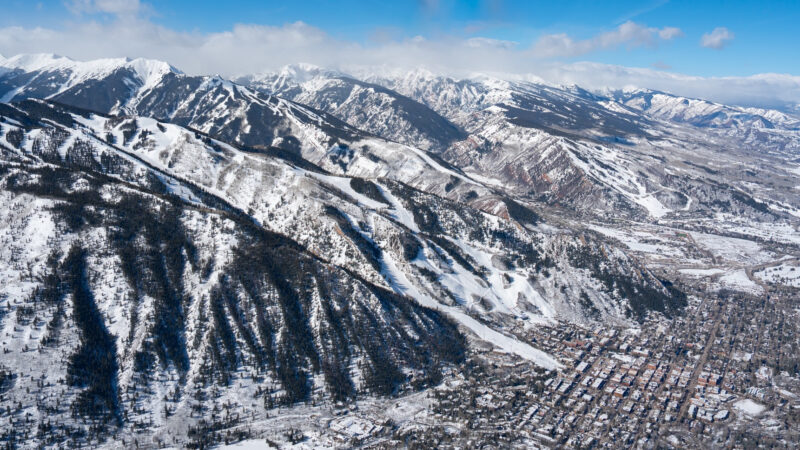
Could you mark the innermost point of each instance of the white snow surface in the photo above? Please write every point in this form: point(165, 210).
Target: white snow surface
point(504, 343)
point(732, 249)
point(739, 280)
point(749, 407)
point(787, 274)
point(702, 272)
point(250, 444)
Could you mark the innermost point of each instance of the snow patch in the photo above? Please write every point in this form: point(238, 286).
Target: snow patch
point(507, 344)
point(739, 280)
point(749, 407)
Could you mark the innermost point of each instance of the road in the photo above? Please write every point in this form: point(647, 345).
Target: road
point(712, 335)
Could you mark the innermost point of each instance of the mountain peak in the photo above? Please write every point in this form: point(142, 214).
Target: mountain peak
point(30, 62)
point(150, 71)
point(35, 61)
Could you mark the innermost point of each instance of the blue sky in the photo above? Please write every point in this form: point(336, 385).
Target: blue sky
point(733, 51)
point(765, 38)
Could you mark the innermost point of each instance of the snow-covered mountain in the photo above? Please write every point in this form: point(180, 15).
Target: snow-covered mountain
point(312, 236)
point(47, 75)
point(364, 105)
point(236, 114)
point(176, 261)
point(761, 129)
point(563, 146)
point(604, 154)
point(703, 113)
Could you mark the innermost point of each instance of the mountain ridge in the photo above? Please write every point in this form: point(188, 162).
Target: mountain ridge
point(232, 249)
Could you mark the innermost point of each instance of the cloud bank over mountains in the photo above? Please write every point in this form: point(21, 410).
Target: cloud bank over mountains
point(118, 28)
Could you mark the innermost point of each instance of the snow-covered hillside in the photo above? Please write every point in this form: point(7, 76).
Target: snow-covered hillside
point(366, 106)
point(182, 255)
point(191, 259)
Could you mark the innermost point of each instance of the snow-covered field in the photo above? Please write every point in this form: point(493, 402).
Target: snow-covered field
point(701, 273)
point(250, 444)
point(734, 250)
point(780, 232)
point(749, 407)
point(787, 274)
point(738, 280)
point(656, 245)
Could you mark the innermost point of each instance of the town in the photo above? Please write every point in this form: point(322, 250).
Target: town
point(725, 371)
point(723, 374)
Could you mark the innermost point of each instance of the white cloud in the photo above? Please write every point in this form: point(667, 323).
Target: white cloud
point(629, 33)
point(113, 7)
point(717, 39)
point(668, 33)
point(248, 48)
point(255, 48)
point(481, 42)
